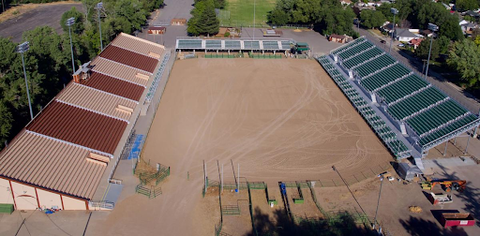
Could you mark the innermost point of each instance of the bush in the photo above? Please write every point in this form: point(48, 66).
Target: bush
point(227, 34)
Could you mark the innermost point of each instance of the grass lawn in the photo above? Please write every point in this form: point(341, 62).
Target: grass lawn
point(240, 12)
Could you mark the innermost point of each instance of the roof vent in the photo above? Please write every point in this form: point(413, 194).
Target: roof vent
point(124, 109)
point(142, 76)
point(97, 158)
point(152, 54)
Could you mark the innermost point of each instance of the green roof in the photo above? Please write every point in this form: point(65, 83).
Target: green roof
point(300, 44)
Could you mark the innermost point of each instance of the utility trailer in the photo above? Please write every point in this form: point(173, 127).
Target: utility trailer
point(457, 219)
point(440, 198)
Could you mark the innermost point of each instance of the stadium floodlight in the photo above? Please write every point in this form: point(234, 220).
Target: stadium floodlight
point(433, 28)
point(70, 22)
point(378, 203)
point(394, 11)
point(99, 7)
point(254, 1)
point(22, 48)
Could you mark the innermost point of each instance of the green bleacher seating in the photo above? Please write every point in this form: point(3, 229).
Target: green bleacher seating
point(401, 88)
point(270, 44)
point(189, 43)
point(213, 44)
point(384, 77)
point(415, 103)
point(447, 129)
point(232, 44)
point(355, 49)
point(374, 65)
point(353, 61)
point(349, 45)
point(435, 117)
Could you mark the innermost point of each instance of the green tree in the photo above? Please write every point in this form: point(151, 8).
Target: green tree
point(443, 44)
point(204, 20)
point(424, 47)
point(464, 5)
point(372, 19)
point(6, 120)
point(465, 58)
point(78, 26)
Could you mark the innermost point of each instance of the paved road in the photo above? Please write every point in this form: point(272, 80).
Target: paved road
point(462, 97)
point(172, 9)
point(43, 15)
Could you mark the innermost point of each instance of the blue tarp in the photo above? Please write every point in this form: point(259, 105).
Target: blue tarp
point(137, 146)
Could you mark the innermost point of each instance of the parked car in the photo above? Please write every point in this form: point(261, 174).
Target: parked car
point(401, 45)
point(383, 41)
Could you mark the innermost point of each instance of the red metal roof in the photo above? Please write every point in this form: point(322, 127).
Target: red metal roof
point(79, 126)
point(129, 58)
point(115, 86)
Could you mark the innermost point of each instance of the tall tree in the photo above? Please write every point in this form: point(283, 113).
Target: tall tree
point(423, 49)
point(204, 20)
point(372, 19)
point(464, 5)
point(465, 58)
point(78, 27)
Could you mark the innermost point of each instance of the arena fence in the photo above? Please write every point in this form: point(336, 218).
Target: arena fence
point(149, 191)
point(158, 76)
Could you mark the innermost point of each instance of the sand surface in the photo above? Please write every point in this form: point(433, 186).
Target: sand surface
point(280, 120)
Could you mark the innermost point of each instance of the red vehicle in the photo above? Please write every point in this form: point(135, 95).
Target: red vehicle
point(457, 219)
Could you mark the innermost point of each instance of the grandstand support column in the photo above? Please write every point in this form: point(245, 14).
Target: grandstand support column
point(193, 51)
point(445, 151)
point(475, 132)
point(205, 51)
point(468, 142)
point(263, 52)
point(273, 52)
point(217, 51)
point(335, 57)
point(229, 52)
point(373, 97)
point(455, 142)
point(403, 128)
point(350, 74)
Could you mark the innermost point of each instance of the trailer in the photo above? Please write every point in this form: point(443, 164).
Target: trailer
point(440, 198)
point(457, 219)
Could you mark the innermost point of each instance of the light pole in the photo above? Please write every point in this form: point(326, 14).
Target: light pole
point(394, 11)
point(99, 7)
point(433, 28)
point(22, 48)
point(70, 22)
point(378, 203)
point(254, 1)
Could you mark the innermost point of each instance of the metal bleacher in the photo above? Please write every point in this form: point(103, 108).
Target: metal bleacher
point(354, 50)
point(187, 44)
point(379, 126)
point(232, 44)
point(432, 116)
point(374, 65)
point(401, 88)
point(362, 57)
point(213, 44)
point(251, 45)
point(384, 77)
point(270, 44)
point(415, 103)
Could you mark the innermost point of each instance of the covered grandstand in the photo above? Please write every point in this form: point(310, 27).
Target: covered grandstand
point(65, 157)
point(192, 44)
point(420, 115)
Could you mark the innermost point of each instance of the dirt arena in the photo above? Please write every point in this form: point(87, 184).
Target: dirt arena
point(281, 120)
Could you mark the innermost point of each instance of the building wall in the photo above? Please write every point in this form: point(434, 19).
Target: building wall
point(49, 199)
point(73, 204)
point(25, 196)
point(5, 192)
